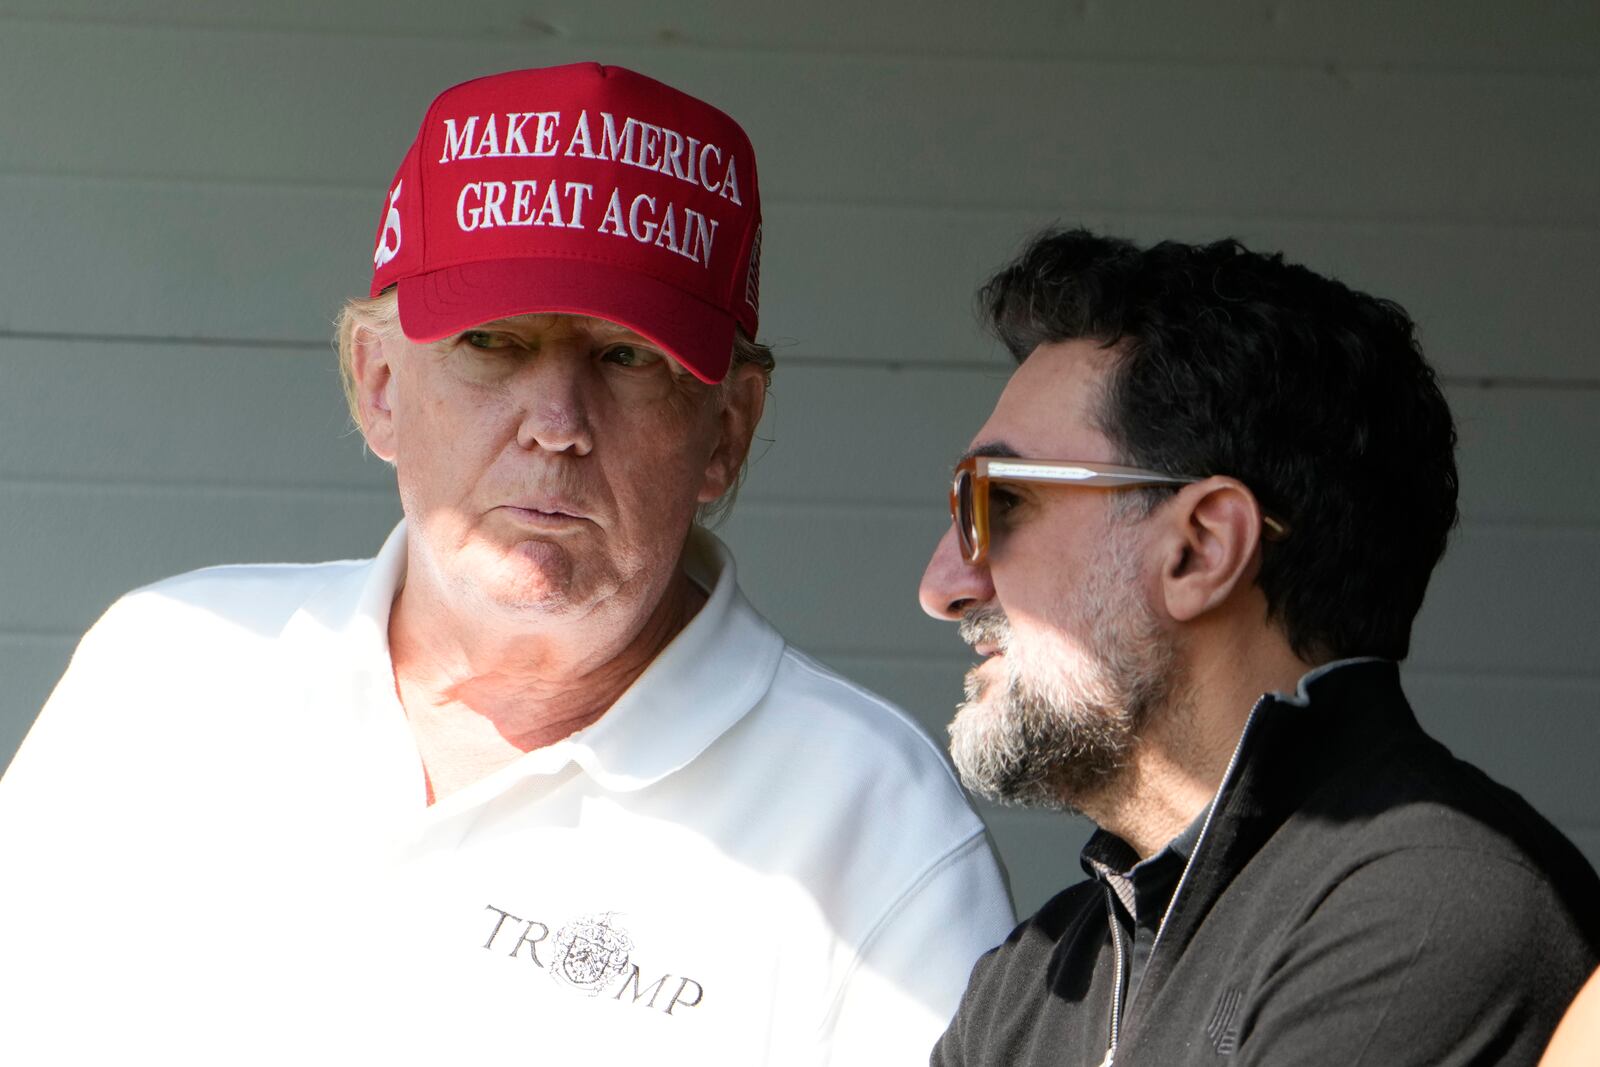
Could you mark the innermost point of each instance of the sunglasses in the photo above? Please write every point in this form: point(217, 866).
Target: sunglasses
point(969, 493)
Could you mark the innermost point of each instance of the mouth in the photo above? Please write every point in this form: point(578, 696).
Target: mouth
point(544, 514)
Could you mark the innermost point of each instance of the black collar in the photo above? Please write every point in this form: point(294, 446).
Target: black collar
point(1291, 746)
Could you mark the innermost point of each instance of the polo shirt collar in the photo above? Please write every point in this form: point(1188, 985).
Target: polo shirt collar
point(1143, 887)
point(707, 678)
point(702, 683)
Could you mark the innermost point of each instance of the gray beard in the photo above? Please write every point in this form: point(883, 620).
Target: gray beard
point(1059, 741)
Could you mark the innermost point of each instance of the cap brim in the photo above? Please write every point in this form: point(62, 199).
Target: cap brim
point(447, 301)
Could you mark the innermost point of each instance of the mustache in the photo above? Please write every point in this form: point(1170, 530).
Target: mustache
point(986, 625)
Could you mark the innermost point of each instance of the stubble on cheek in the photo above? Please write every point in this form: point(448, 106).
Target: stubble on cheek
point(1053, 724)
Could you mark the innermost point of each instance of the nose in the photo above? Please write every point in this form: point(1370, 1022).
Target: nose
point(551, 391)
point(951, 586)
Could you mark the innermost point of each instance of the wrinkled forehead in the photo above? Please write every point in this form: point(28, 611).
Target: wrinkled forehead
point(1050, 407)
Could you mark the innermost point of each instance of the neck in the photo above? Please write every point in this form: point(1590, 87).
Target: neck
point(1184, 751)
point(477, 696)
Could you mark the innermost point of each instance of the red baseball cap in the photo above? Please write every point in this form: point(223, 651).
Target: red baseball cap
point(583, 190)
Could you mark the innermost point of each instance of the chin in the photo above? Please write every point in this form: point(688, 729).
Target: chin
point(517, 584)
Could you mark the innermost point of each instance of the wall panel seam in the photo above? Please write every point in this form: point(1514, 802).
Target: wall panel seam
point(775, 205)
point(546, 35)
point(999, 365)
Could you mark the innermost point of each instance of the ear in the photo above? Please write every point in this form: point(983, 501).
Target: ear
point(1212, 536)
point(372, 371)
point(744, 397)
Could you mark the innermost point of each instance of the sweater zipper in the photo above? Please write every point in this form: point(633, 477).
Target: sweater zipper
point(1205, 827)
point(1116, 987)
point(1183, 880)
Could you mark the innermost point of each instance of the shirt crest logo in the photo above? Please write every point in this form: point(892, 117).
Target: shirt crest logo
point(590, 954)
point(592, 957)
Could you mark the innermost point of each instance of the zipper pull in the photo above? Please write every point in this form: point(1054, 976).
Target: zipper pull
point(1111, 1054)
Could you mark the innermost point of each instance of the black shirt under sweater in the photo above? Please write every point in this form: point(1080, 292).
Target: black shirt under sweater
point(1141, 890)
point(1359, 897)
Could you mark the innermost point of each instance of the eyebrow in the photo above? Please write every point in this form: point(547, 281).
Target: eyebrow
point(993, 449)
point(512, 321)
point(603, 328)
point(608, 329)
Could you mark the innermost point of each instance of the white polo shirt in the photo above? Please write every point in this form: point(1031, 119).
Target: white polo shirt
point(215, 847)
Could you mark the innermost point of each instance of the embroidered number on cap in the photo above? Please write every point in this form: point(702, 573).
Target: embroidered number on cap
point(391, 224)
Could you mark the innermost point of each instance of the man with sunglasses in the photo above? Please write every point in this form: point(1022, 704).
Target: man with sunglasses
point(1188, 545)
point(537, 784)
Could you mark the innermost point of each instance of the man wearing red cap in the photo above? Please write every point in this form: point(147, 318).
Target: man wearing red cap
point(536, 782)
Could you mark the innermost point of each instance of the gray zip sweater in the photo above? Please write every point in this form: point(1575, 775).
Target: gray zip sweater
point(1356, 896)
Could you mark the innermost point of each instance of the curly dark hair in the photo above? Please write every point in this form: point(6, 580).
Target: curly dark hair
point(1312, 394)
